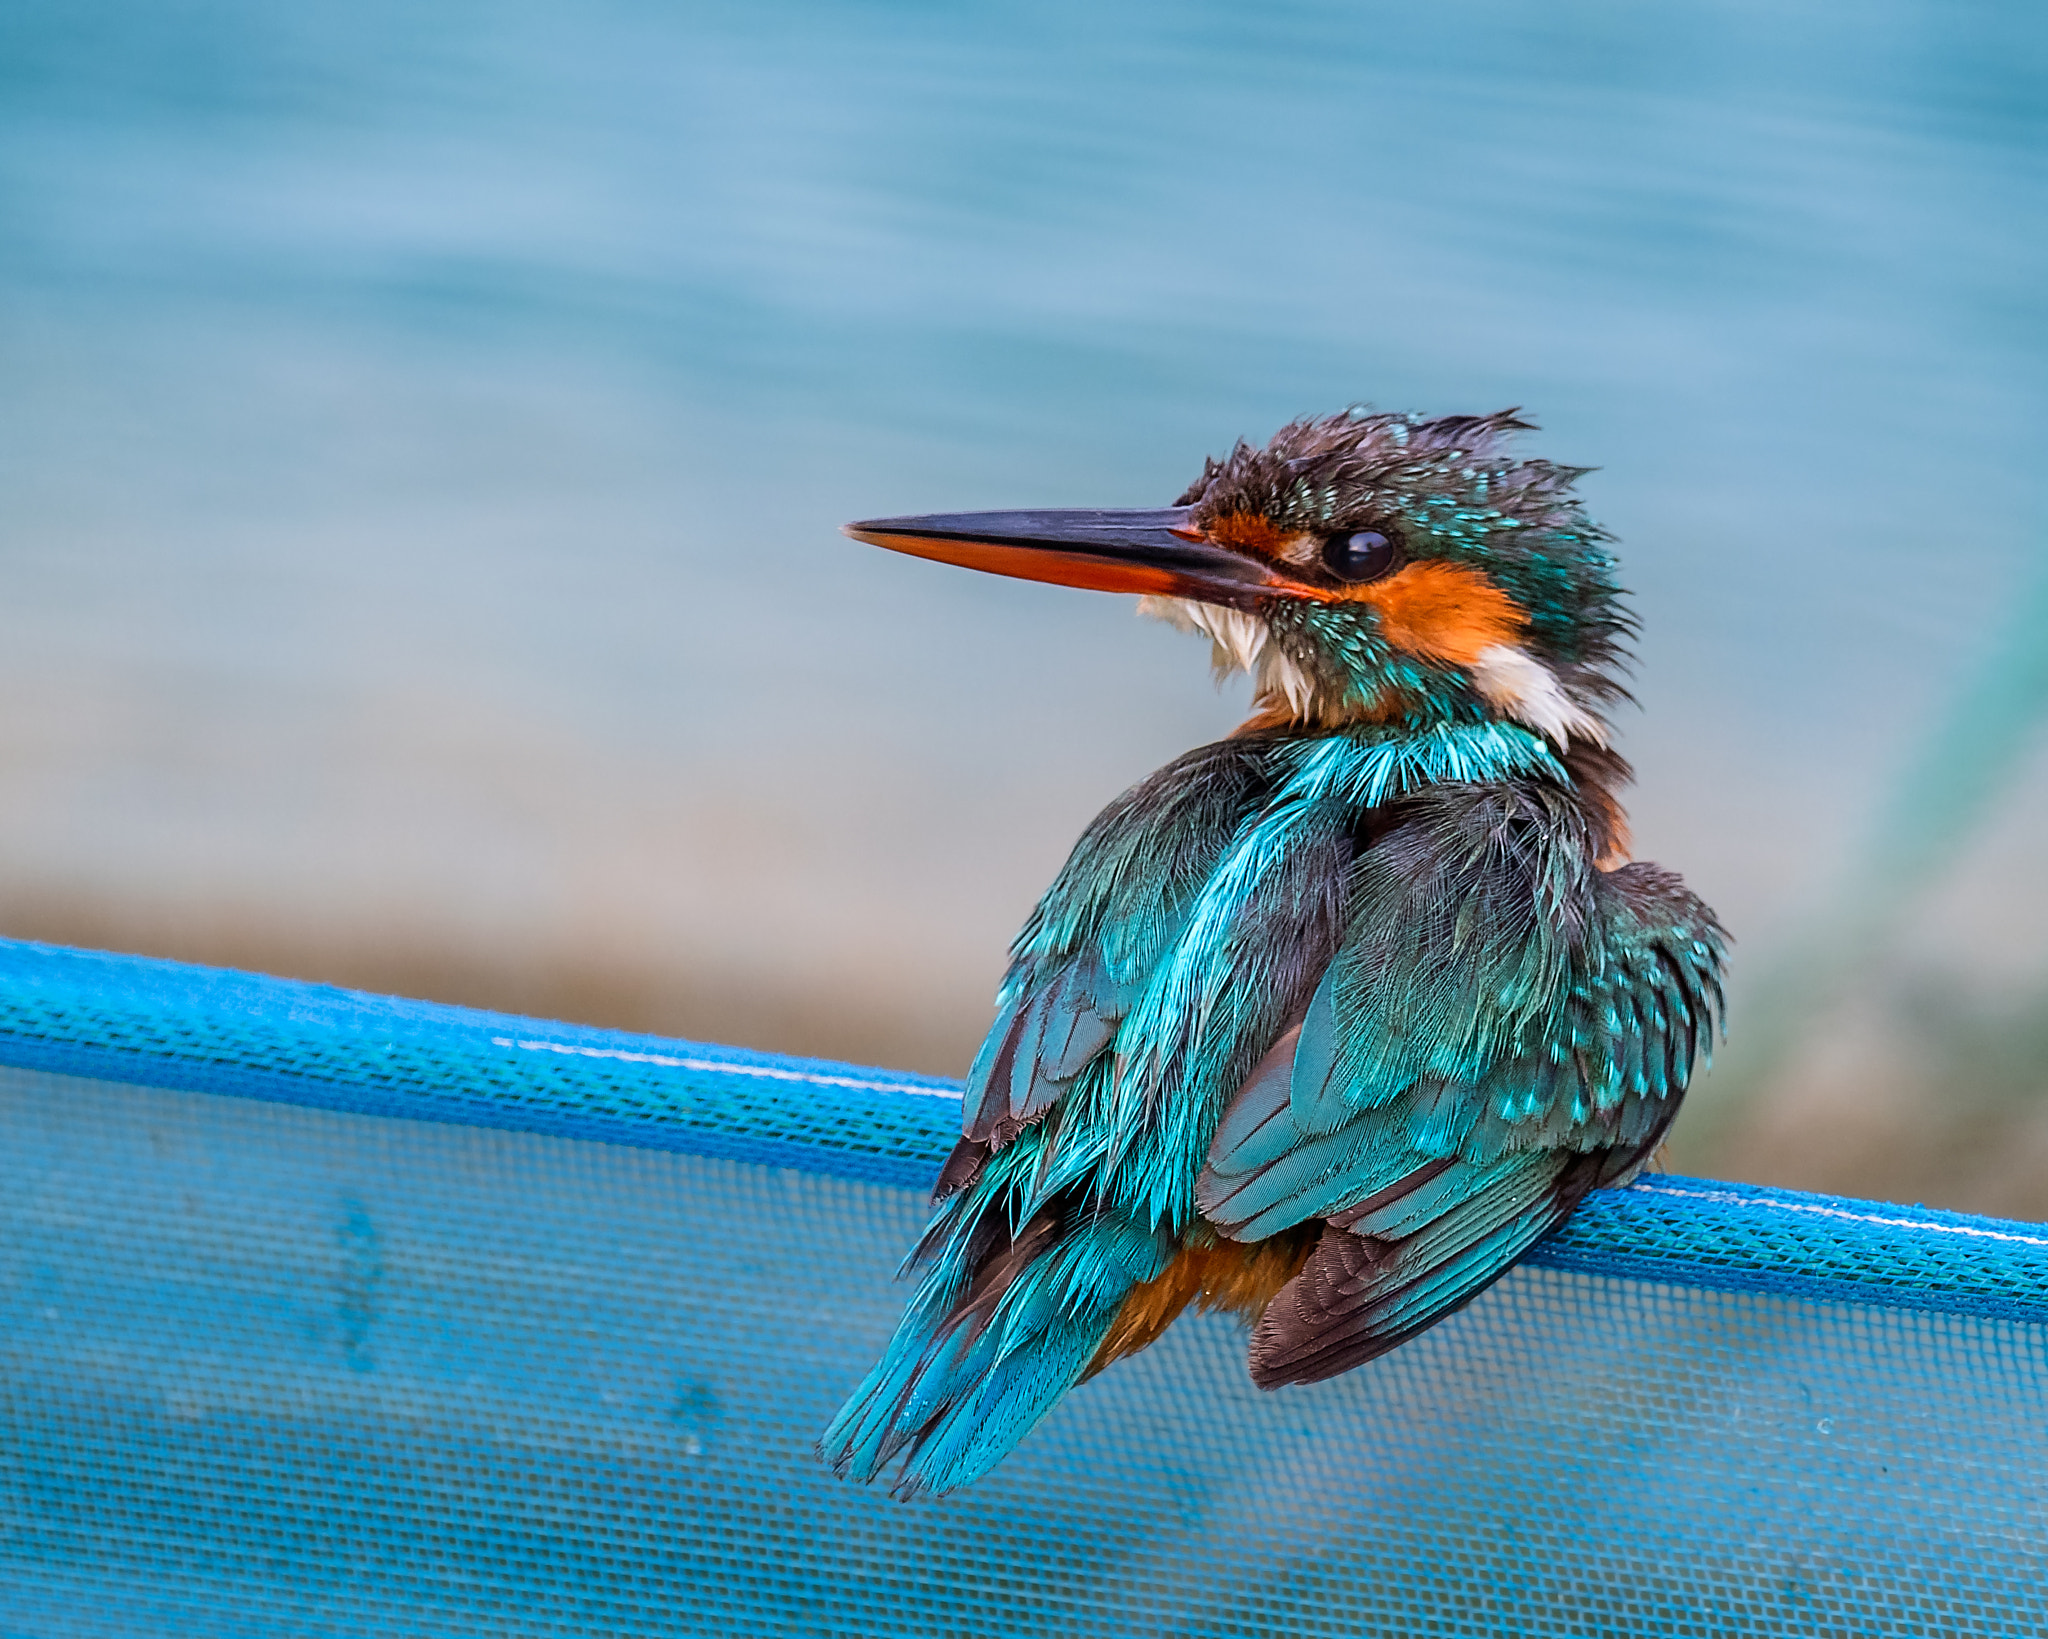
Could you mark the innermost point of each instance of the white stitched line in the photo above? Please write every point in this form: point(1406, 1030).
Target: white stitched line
point(1729, 1198)
point(723, 1068)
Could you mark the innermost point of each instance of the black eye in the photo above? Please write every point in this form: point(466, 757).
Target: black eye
point(1364, 555)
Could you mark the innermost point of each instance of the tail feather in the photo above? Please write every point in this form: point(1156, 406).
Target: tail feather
point(975, 1363)
point(887, 1409)
point(975, 1432)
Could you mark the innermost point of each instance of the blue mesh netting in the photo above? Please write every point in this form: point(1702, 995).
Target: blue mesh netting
point(443, 1322)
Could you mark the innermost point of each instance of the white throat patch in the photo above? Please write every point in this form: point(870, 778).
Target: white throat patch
point(1238, 642)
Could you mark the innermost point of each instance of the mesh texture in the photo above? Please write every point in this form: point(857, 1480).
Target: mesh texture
point(327, 1313)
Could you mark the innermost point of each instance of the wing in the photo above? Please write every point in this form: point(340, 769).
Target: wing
point(1083, 958)
point(1504, 1028)
point(1033, 1250)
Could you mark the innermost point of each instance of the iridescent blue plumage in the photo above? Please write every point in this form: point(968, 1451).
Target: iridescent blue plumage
point(1329, 1022)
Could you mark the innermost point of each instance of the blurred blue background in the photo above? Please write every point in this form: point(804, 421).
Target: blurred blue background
point(423, 431)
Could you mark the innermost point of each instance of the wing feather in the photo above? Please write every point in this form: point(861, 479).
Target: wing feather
point(1081, 962)
point(1502, 1029)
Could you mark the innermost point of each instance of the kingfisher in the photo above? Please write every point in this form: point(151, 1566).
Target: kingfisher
point(1324, 1025)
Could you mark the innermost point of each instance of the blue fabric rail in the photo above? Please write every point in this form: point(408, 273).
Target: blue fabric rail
point(333, 1315)
point(167, 1024)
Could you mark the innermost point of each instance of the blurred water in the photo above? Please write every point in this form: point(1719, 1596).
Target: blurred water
point(423, 431)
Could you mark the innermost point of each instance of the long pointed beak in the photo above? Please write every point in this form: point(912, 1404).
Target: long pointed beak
point(1102, 551)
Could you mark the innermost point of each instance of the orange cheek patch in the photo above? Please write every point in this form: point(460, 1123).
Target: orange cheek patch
point(1443, 611)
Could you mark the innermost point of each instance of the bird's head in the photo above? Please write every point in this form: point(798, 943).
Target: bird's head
point(1363, 568)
